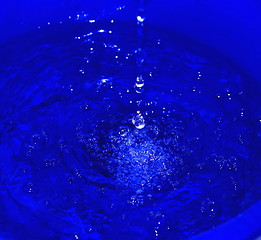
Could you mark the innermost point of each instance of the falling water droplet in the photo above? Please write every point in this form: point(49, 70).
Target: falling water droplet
point(138, 89)
point(140, 18)
point(139, 81)
point(138, 121)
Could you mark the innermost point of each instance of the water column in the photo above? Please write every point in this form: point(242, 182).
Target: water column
point(138, 120)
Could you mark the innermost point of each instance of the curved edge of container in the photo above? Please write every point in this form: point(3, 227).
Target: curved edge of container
point(245, 226)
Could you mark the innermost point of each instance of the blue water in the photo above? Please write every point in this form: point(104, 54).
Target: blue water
point(75, 161)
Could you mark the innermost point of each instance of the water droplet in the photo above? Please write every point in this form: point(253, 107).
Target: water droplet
point(138, 89)
point(140, 19)
point(139, 81)
point(138, 121)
